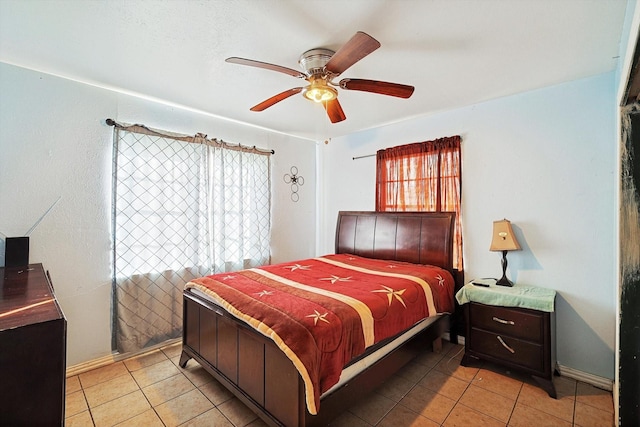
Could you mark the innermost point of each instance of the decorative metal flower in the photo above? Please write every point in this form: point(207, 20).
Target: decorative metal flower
point(295, 180)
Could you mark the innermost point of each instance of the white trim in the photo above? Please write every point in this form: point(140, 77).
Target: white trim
point(115, 357)
point(565, 371)
point(446, 336)
point(91, 364)
point(585, 377)
point(153, 99)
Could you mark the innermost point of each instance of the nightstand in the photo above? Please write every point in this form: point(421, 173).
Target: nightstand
point(33, 348)
point(513, 327)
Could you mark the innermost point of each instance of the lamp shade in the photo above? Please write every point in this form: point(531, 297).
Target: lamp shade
point(503, 238)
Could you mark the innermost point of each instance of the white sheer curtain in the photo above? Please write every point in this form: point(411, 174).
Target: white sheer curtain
point(240, 205)
point(183, 207)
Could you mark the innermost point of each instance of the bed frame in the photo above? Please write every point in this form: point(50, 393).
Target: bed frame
point(256, 371)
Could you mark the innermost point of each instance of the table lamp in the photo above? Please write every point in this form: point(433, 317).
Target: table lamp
point(503, 240)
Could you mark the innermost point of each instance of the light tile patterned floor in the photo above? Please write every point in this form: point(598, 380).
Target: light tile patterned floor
point(434, 390)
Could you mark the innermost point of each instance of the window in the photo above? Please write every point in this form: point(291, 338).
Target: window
point(183, 207)
point(424, 176)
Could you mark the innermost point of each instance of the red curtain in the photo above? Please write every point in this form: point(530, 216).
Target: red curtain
point(423, 176)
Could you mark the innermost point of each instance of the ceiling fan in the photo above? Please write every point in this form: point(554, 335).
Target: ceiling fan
point(320, 67)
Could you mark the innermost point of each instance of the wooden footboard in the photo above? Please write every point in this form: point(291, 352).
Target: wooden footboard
point(254, 369)
point(250, 365)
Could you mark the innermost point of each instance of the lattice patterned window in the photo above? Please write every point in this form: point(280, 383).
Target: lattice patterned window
point(183, 207)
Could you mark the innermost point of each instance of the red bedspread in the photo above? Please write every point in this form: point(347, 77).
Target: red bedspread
point(323, 312)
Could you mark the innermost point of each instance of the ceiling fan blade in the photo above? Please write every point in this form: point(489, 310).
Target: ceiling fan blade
point(334, 111)
point(266, 66)
point(375, 86)
point(276, 98)
point(359, 46)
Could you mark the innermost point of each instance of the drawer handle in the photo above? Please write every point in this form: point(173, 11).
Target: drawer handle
point(504, 322)
point(505, 344)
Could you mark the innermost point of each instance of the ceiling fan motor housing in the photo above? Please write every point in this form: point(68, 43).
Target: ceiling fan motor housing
point(314, 60)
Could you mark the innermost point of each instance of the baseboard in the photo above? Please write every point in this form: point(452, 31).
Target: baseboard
point(114, 357)
point(585, 377)
point(446, 336)
point(90, 365)
point(565, 371)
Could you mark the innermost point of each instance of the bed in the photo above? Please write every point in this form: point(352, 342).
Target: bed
point(260, 364)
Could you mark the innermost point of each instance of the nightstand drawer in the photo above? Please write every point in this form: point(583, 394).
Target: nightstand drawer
point(508, 349)
point(515, 322)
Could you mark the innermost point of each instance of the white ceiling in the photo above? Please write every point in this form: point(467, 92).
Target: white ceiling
point(455, 52)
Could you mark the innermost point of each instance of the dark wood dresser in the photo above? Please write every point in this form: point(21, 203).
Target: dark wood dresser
point(33, 349)
point(519, 338)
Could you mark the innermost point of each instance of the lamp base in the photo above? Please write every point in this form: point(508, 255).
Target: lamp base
point(504, 282)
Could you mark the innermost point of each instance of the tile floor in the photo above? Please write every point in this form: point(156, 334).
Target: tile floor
point(434, 390)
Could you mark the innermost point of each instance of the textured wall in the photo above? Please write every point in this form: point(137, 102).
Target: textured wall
point(545, 160)
point(54, 144)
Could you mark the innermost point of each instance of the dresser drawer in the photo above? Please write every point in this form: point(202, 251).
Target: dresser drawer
point(514, 322)
point(523, 353)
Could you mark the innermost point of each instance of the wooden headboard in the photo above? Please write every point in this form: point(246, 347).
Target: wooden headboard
point(417, 237)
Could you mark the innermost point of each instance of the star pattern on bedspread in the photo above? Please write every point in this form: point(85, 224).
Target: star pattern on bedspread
point(229, 277)
point(391, 294)
point(317, 316)
point(298, 267)
point(440, 280)
point(392, 266)
point(335, 279)
point(264, 293)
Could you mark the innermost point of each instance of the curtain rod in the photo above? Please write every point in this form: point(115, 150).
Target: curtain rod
point(362, 157)
point(144, 129)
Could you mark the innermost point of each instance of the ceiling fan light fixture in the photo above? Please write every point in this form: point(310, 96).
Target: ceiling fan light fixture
point(319, 91)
